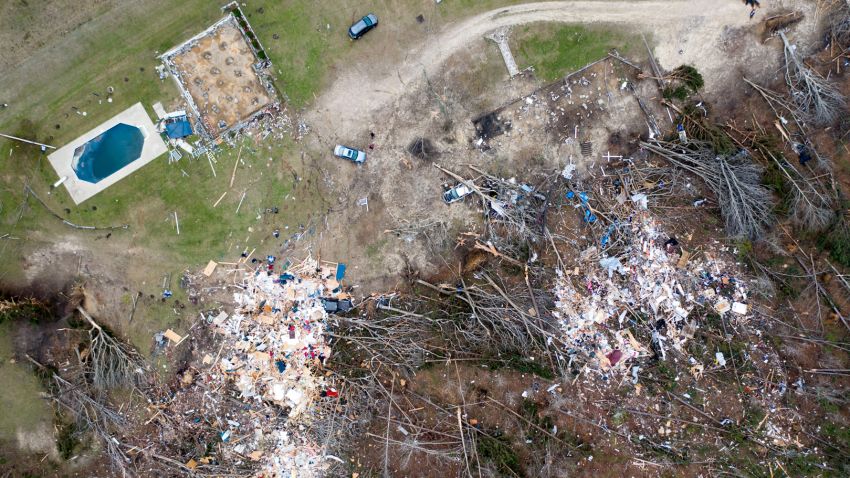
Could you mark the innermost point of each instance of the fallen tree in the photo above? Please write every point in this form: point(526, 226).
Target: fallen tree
point(110, 363)
point(745, 204)
point(816, 99)
point(90, 413)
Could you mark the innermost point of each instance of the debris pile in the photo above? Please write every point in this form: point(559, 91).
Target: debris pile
point(274, 354)
point(515, 210)
point(651, 288)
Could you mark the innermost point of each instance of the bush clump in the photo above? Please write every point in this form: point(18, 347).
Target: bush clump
point(684, 82)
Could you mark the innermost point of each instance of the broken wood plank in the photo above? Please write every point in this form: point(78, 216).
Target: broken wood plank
point(492, 250)
point(210, 268)
point(233, 175)
point(173, 336)
point(219, 199)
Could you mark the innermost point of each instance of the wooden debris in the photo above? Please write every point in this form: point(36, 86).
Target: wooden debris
point(683, 261)
point(492, 250)
point(219, 199)
point(240, 201)
point(173, 336)
point(210, 268)
point(233, 176)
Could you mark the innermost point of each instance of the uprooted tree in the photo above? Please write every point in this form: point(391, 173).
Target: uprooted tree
point(110, 362)
point(816, 99)
point(746, 205)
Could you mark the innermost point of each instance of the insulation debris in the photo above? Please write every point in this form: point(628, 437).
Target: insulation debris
point(273, 357)
point(646, 290)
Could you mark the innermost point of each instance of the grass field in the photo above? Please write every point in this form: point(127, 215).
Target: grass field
point(307, 44)
point(19, 392)
point(556, 49)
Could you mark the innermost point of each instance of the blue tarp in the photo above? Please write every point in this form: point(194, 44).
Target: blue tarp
point(340, 271)
point(178, 129)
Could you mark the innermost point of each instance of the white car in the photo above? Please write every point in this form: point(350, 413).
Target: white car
point(456, 193)
point(354, 155)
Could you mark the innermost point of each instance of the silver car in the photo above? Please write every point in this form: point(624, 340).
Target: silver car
point(456, 193)
point(354, 155)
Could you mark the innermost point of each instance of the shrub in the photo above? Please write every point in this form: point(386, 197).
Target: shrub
point(837, 240)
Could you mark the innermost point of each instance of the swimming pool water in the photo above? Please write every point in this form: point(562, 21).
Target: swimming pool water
point(102, 156)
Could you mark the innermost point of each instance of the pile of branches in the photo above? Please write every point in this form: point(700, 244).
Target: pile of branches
point(515, 211)
point(484, 318)
point(684, 81)
point(90, 414)
point(809, 207)
point(478, 317)
point(380, 394)
point(745, 204)
point(808, 196)
point(781, 105)
point(816, 99)
point(27, 308)
point(109, 362)
point(839, 22)
point(105, 364)
point(492, 315)
point(399, 338)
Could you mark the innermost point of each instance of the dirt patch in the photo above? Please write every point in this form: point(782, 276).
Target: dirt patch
point(218, 72)
point(423, 148)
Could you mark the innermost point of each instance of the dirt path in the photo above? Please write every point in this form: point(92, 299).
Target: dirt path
point(685, 31)
point(365, 90)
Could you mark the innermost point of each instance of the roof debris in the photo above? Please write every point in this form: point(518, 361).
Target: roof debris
point(273, 356)
point(641, 289)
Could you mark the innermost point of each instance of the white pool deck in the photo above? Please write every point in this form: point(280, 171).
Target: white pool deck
point(152, 147)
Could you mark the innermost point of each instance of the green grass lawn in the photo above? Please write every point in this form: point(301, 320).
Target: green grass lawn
point(557, 49)
point(19, 391)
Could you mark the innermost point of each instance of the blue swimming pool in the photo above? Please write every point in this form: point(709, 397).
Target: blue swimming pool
point(102, 156)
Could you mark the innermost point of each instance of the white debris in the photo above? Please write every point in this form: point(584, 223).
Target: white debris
point(597, 308)
point(641, 200)
point(568, 171)
point(739, 308)
point(611, 265)
point(273, 355)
